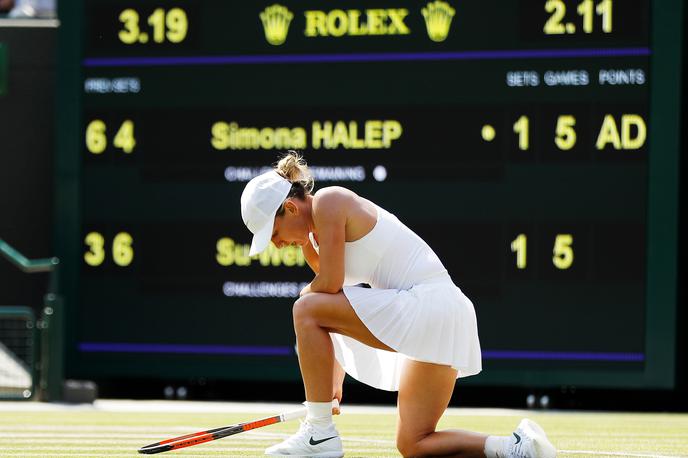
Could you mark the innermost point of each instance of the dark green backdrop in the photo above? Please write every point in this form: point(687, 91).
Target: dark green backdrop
point(606, 320)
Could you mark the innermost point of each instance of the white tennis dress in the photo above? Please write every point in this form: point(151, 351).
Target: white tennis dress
point(412, 306)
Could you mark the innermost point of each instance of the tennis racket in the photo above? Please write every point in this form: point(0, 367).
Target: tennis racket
point(201, 437)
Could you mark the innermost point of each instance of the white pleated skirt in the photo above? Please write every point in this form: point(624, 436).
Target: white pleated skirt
point(433, 322)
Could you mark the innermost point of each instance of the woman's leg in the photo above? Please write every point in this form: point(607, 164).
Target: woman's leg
point(424, 394)
point(315, 316)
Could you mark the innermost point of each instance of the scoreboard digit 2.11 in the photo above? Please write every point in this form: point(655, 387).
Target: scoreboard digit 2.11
point(532, 143)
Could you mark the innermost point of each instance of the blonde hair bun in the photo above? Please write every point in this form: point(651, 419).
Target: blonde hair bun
point(293, 167)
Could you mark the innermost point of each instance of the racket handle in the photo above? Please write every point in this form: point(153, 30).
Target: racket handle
point(294, 414)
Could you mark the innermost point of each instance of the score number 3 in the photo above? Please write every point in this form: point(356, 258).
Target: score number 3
point(171, 25)
point(122, 251)
point(562, 254)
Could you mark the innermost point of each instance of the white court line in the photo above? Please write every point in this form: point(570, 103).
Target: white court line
point(99, 438)
point(644, 455)
point(102, 429)
point(85, 454)
point(253, 435)
point(631, 434)
point(133, 432)
point(235, 449)
point(71, 437)
point(133, 450)
point(266, 436)
point(116, 405)
point(123, 405)
point(130, 454)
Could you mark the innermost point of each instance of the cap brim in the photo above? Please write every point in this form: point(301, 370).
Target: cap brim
point(261, 239)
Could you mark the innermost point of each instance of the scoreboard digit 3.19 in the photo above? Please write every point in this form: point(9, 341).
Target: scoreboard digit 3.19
point(533, 144)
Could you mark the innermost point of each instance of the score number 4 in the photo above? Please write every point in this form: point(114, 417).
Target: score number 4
point(171, 25)
point(562, 253)
point(96, 140)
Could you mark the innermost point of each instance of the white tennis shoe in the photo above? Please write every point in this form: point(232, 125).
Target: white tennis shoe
point(310, 441)
point(530, 441)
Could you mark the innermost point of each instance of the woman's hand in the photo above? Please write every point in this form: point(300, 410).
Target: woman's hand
point(338, 396)
point(337, 385)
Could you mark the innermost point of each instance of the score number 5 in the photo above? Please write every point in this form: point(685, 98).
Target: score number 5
point(565, 138)
point(562, 254)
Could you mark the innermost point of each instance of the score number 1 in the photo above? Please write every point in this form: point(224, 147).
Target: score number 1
point(618, 134)
point(565, 138)
point(562, 253)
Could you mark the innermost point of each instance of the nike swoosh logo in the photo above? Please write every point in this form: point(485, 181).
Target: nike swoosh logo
point(314, 442)
point(518, 438)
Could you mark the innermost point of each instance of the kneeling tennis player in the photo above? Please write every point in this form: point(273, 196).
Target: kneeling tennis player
point(413, 331)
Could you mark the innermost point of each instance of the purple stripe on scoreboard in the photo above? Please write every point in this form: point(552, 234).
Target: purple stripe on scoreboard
point(260, 350)
point(243, 350)
point(563, 356)
point(363, 57)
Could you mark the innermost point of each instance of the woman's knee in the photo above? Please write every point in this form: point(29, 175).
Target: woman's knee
point(409, 441)
point(303, 310)
point(408, 446)
point(406, 449)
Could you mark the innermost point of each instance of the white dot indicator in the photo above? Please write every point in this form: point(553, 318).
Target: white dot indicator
point(488, 133)
point(380, 173)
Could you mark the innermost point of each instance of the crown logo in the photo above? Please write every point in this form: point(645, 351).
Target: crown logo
point(438, 16)
point(276, 19)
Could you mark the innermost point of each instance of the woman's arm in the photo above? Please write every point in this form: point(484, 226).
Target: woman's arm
point(312, 257)
point(329, 216)
point(313, 260)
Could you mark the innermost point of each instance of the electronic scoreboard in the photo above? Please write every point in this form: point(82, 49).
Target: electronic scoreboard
point(533, 144)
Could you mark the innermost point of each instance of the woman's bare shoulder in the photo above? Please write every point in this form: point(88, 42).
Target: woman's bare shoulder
point(344, 202)
point(334, 190)
point(333, 202)
point(334, 195)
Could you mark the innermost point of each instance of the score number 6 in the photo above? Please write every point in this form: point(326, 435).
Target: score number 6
point(122, 251)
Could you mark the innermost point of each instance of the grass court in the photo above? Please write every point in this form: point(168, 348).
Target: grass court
point(119, 428)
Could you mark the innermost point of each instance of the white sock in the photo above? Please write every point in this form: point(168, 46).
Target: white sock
point(319, 413)
point(497, 446)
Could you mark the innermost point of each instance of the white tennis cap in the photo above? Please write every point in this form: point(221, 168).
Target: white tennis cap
point(261, 199)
